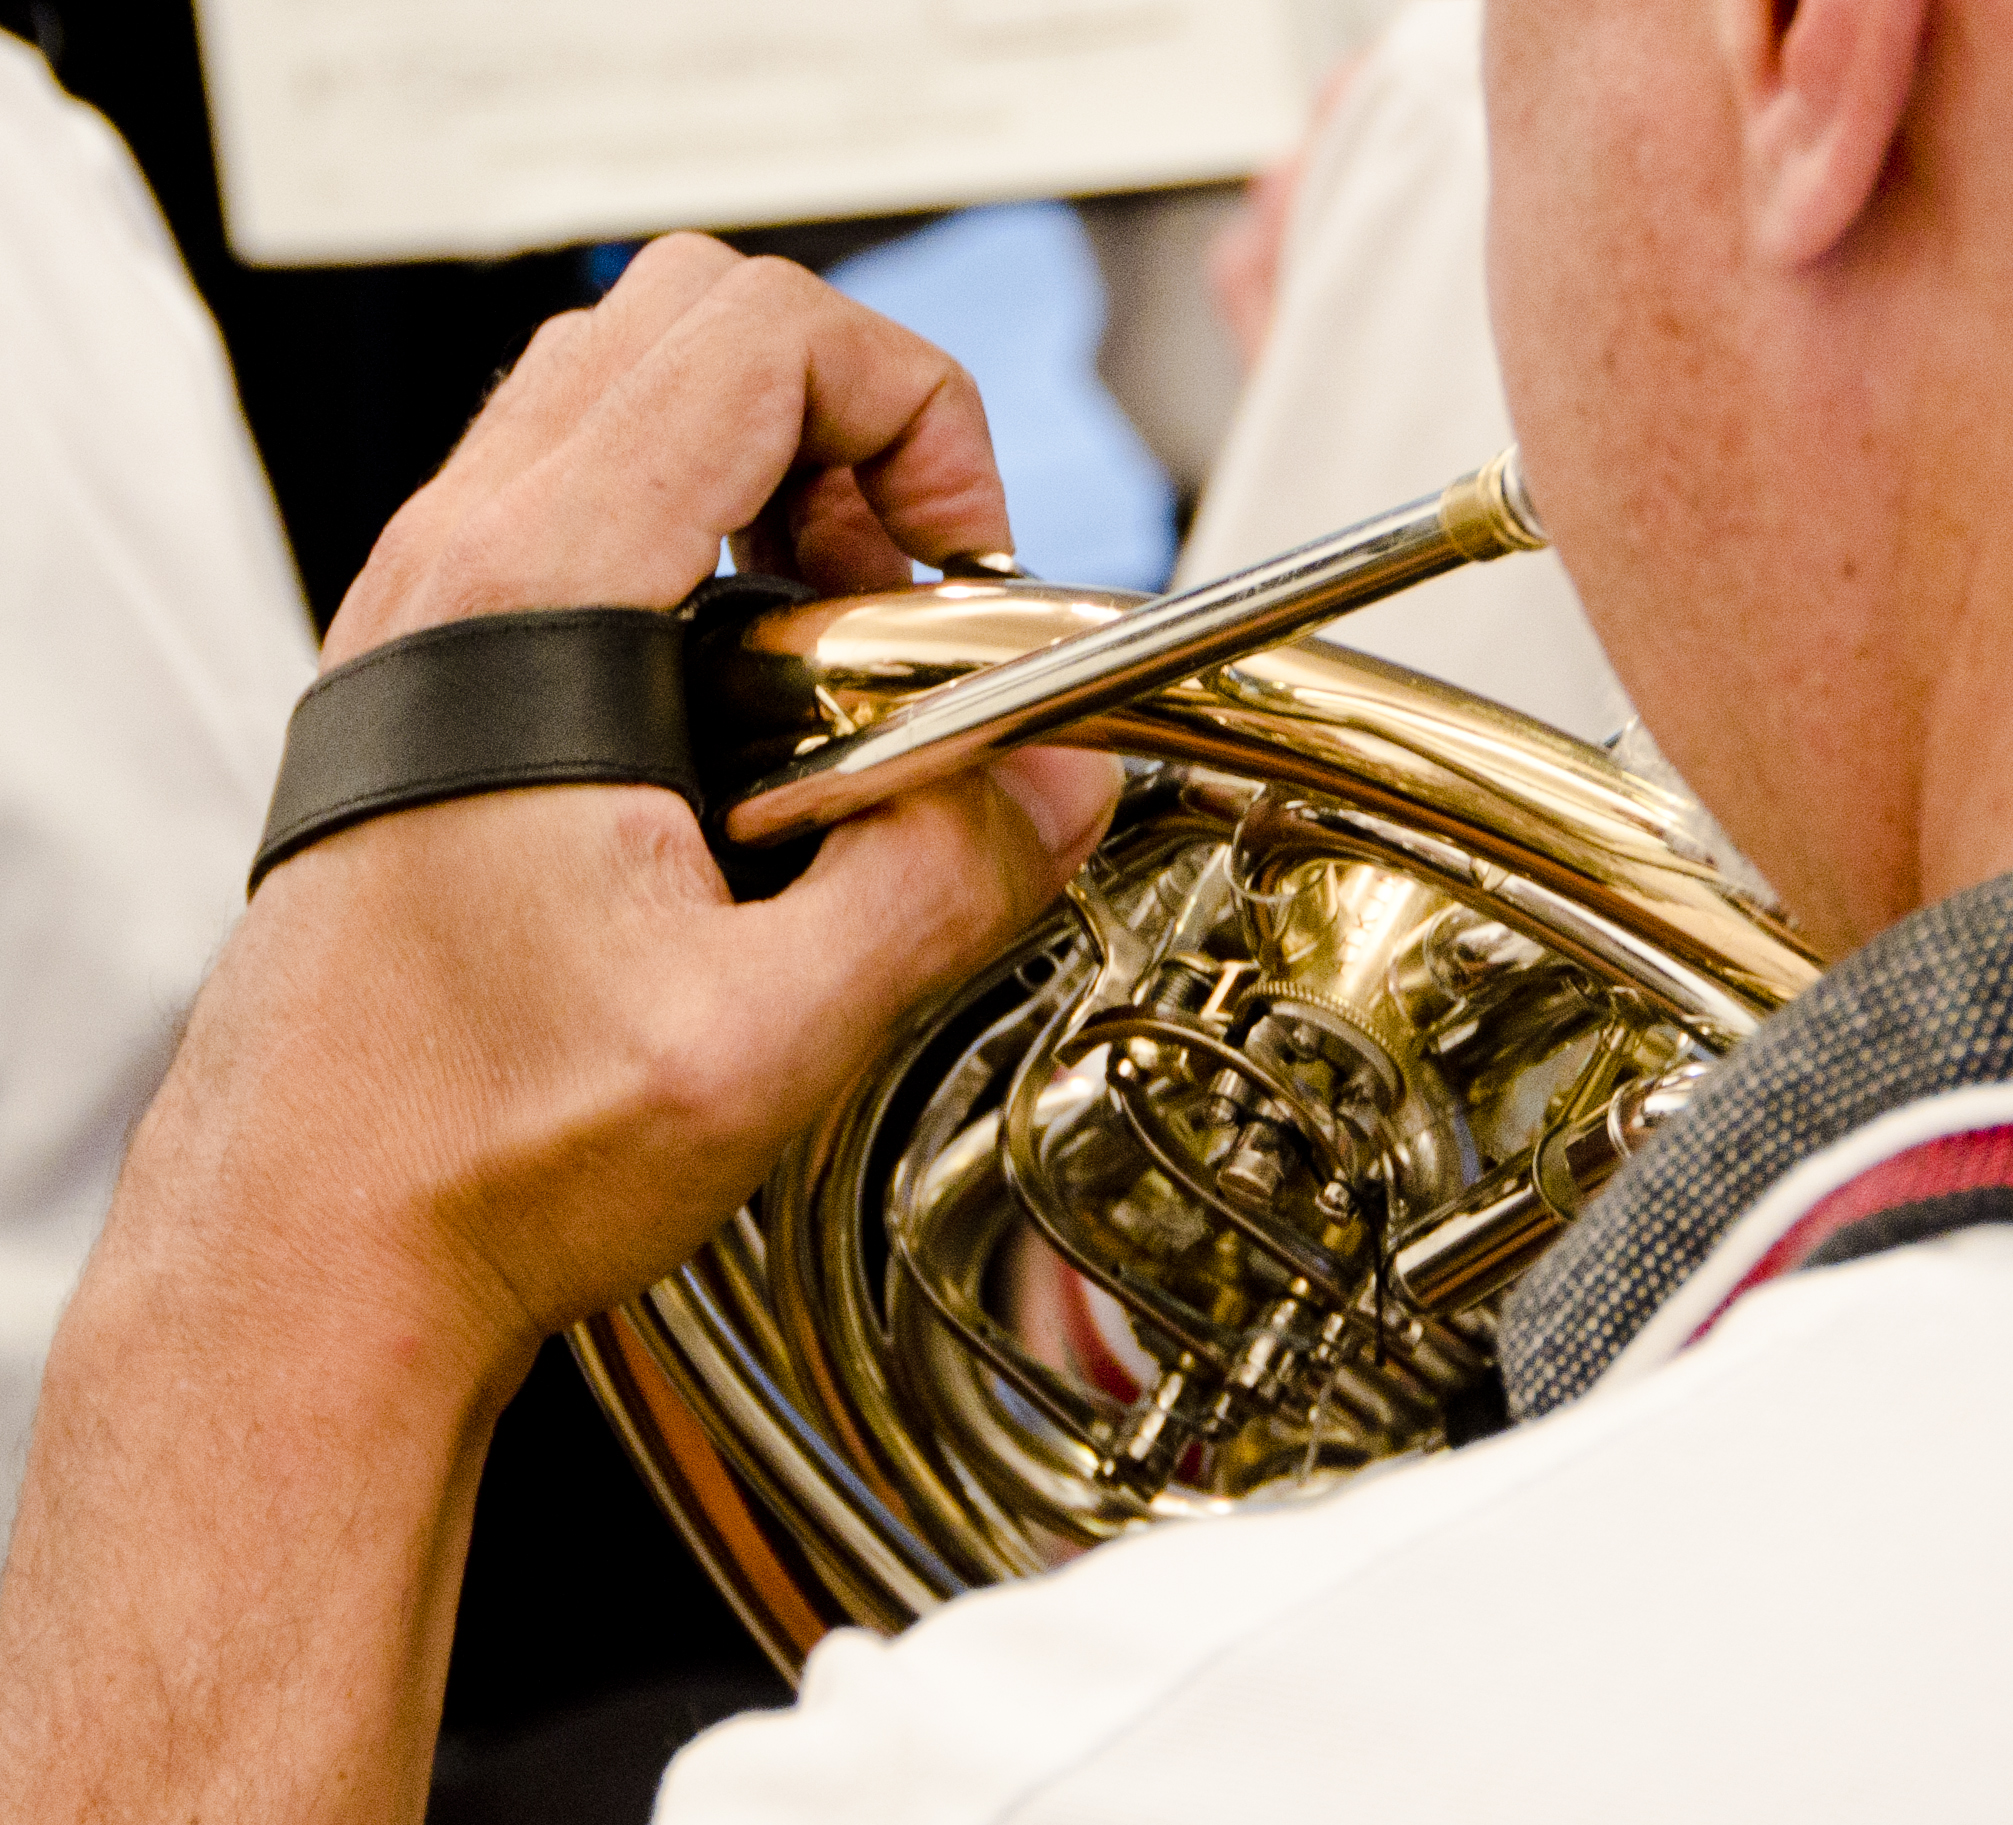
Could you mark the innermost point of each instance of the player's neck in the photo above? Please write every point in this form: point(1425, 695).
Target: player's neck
point(1965, 817)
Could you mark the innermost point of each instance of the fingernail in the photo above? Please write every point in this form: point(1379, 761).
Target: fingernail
point(1066, 792)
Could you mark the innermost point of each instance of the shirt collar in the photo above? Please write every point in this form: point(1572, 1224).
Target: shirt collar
point(1926, 1008)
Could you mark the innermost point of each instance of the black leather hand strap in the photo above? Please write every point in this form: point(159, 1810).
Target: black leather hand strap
point(553, 697)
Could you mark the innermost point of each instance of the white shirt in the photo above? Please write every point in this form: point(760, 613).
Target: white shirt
point(1378, 383)
point(154, 640)
point(1763, 1578)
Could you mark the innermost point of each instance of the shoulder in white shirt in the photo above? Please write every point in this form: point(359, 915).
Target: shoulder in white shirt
point(1767, 1582)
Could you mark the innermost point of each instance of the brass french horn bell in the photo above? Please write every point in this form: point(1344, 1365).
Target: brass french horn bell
point(1210, 1188)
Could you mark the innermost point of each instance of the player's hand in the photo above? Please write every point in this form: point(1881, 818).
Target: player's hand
point(503, 1061)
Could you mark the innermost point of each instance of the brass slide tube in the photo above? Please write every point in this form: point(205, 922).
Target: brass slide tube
point(1159, 643)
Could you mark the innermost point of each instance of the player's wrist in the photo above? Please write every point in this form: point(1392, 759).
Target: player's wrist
point(290, 1177)
point(307, 1265)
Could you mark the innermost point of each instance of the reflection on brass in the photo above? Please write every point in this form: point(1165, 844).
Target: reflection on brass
point(1488, 513)
point(1055, 684)
point(1210, 1188)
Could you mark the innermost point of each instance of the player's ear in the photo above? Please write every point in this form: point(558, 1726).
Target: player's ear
point(1821, 86)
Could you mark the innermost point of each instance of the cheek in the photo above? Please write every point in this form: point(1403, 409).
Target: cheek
point(1561, 197)
point(1551, 276)
point(1524, 169)
point(1609, 262)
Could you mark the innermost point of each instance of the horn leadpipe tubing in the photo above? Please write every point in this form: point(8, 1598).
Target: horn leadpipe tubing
point(1159, 643)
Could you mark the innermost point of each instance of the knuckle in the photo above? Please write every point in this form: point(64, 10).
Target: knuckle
point(550, 337)
point(405, 549)
point(545, 351)
point(674, 257)
point(780, 284)
point(412, 528)
point(701, 1089)
point(689, 1082)
point(958, 387)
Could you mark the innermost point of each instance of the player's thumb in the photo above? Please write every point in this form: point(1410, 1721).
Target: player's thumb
point(920, 892)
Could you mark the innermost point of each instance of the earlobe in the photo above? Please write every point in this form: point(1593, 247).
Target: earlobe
point(1822, 86)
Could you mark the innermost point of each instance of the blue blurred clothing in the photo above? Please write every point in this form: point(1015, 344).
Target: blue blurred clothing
point(1014, 293)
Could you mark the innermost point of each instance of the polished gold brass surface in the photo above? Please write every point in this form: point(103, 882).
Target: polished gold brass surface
point(1097, 668)
point(1208, 1189)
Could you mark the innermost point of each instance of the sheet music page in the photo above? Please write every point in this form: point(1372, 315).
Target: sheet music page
point(387, 129)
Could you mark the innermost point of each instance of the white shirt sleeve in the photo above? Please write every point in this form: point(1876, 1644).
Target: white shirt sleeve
point(154, 642)
point(1768, 1582)
point(1378, 383)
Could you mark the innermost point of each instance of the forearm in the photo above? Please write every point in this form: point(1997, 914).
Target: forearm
point(232, 1585)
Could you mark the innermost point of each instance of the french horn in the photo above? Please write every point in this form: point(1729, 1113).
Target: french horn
point(1208, 1190)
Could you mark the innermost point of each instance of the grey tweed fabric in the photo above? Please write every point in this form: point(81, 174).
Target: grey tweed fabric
point(1927, 1006)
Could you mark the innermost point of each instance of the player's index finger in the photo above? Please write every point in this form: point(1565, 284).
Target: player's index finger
point(895, 409)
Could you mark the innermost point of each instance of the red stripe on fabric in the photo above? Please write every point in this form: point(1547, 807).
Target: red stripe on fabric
point(1094, 1358)
point(1951, 1162)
